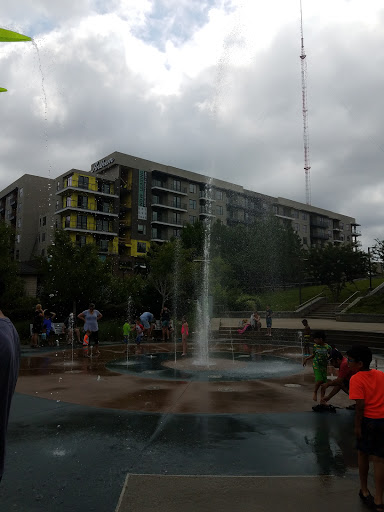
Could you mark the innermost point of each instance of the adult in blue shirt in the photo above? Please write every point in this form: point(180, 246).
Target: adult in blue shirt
point(147, 319)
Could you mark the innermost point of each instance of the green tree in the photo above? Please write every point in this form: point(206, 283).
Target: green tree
point(378, 250)
point(170, 268)
point(335, 266)
point(74, 275)
point(11, 284)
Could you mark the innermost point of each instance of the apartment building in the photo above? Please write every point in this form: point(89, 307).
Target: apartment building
point(21, 206)
point(123, 204)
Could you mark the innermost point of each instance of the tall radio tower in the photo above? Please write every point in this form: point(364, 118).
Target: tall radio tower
point(307, 165)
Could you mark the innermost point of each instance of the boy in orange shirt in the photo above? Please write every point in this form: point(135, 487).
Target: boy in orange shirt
point(367, 388)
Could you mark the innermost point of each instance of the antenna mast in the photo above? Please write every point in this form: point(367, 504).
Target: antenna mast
point(307, 165)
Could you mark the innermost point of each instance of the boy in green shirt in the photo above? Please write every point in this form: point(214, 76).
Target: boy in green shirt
point(320, 357)
point(126, 331)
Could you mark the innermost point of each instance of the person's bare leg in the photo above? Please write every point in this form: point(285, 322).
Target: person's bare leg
point(317, 385)
point(363, 460)
point(335, 390)
point(378, 468)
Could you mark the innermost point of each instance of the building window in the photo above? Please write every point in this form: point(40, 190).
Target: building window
point(176, 218)
point(192, 204)
point(155, 215)
point(275, 209)
point(68, 202)
point(82, 202)
point(83, 182)
point(68, 221)
point(219, 195)
point(102, 225)
point(329, 234)
point(192, 219)
point(18, 239)
point(155, 233)
point(192, 188)
point(177, 185)
point(348, 238)
point(44, 221)
point(304, 228)
point(305, 240)
point(21, 191)
point(106, 188)
point(141, 247)
point(81, 240)
point(81, 222)
point(58, 185)
point(176, 202)
point(155, 200)
point(141, 229)
point(219, 209)
point(19, 223)
point(157, 183)
point(43, 237)
point(341, 225)
point(176, 233)
point(297, 227)
point(304, 216)
point(69, 181)
point(103, 245)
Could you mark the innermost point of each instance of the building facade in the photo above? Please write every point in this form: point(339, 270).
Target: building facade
point(124, 204)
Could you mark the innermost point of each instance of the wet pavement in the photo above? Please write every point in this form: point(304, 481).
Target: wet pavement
point(77, 430)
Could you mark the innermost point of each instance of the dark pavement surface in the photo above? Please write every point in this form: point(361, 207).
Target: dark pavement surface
point(68, 457)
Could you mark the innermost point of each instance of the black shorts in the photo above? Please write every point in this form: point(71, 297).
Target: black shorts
point(37, 329)
point(372, 437)
point(94, 337)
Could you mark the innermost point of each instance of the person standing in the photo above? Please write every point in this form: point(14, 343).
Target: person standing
point(320, 360)
point(165, 317)
point(91, 316)
point(367, 388)
point(268, 318)
point(184, 335)
point(306, 337)
point(9, 371)
point(37, 326)
point(255, 321)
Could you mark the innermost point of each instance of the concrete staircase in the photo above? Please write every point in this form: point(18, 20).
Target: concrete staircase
point(326, 310)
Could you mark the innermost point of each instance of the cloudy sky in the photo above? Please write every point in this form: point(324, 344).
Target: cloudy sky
point(211, 86)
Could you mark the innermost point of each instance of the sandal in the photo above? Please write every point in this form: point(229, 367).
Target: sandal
point(367, 500)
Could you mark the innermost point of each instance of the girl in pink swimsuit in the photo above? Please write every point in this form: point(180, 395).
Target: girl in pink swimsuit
point(184, 335)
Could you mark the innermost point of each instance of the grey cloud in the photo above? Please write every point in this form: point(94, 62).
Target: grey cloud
point(254, 140)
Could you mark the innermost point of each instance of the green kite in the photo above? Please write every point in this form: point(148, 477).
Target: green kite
point(2, 89)
point(9, 36)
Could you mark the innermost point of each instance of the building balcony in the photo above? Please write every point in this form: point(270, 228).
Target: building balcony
point(286, 217)
point(183, 191)
point(356, 232)
point(91, 228)
point(338, 241)
point(320, 235)
point(336, 228)
point(319, 223)
point(167, 222)
point(159, 240)
point(90, 189)
point(204, 196)
point(74, 206)
point(181, 208)
point(125, 241)
point(206, 212)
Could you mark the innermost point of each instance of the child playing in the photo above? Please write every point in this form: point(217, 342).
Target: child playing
point(320, 360)
point(184, 335)
point(126, 331)
point(139, 333)
point(47, 326)
point(367, 388)
point(86, 343)
point(306, 337)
